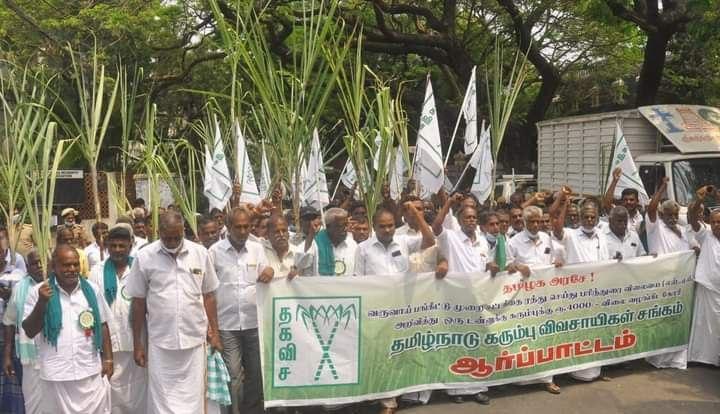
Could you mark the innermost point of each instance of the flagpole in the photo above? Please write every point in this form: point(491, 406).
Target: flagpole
point(340, 179)
point(457, 124)
point(462, 174)
point(452, 140)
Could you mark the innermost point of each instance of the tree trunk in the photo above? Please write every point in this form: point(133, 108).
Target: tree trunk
point(652, 69)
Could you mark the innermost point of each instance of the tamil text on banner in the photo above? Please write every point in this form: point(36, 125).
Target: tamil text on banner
point(331, 340)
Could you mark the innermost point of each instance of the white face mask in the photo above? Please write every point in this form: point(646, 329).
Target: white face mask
point(169, 250)
point(587, 231)
point(69, 223)
point(491, 238)
point(532, 236)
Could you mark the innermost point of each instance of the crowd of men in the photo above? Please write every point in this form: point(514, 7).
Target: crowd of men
point(126, 324)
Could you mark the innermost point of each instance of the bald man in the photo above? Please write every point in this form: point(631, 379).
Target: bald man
point(172, 283)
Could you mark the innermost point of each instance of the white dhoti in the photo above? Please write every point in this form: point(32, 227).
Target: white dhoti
point(543, 380)
point(421, 397)
point(87, 396)
point(32, 394)
point(705, 334)
point(129, 385)
point(176, 380)
point(466, 391)
point(587, 375)
point(677, 359)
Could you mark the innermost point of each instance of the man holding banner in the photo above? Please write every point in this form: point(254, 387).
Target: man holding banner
point(587, 244)
point(531, 247)
point(385, 254)
point(464, 251)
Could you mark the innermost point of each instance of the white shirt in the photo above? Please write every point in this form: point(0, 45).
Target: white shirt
point(635, 221)
point(662, 240)
point(450, 222)
point(629, 246)
point(76, 357)
point(463, 254)
point(521, 249)
point(119, 318)
point(581, 248)
point(707, 272)
point(93, 254)
point(373, 258)
point(344, 254)
point(281, 265)
point(19, 262)
point(173, 288)
point(9, 279)
point(10, 318)
point(237, 272)
point(138, 242)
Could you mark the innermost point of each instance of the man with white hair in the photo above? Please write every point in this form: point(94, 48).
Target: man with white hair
point(704, 338)
point(530, 248)
point(329, 252)
point(665, 236)
point(586, 244)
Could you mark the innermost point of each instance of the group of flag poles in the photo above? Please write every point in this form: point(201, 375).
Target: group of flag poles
point(428, 166)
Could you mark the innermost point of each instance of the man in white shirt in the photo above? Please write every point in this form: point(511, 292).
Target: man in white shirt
point(74, 350)
point(330, 252)
point(18, 347)
point(532, 248)
point(208, 232)
point(586, 244)
point(129, 381)
point(705, 335)
point(360, 229)
point(516, 222)
point(629, 198)
point(664, 235)
point(309, 221)
point(239, 264)
point(387, 254)
point(623, 241)
point(464, 250)
point(7, 253)
point(384, 254)
point(172, 283)
point(281, 255)
point(99, 231)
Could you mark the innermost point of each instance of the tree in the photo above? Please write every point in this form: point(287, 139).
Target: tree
point(660, 20)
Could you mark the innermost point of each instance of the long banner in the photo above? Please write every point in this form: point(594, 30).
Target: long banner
point(332, 340)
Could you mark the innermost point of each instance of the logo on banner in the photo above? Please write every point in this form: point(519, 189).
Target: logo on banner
point(316, 341)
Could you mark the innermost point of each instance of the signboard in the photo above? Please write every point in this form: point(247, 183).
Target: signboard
point(690, 128)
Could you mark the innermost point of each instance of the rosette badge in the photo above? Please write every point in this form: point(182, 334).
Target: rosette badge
point(87, 321)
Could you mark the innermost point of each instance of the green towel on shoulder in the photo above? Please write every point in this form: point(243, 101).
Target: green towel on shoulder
point(326, 257)
point(500, 254)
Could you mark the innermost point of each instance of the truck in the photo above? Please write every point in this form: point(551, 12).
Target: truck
point(681, 142)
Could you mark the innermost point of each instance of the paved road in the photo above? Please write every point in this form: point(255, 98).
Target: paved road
point(638, 388)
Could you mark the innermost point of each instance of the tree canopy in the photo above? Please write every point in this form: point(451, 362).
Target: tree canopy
point(586, 55)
